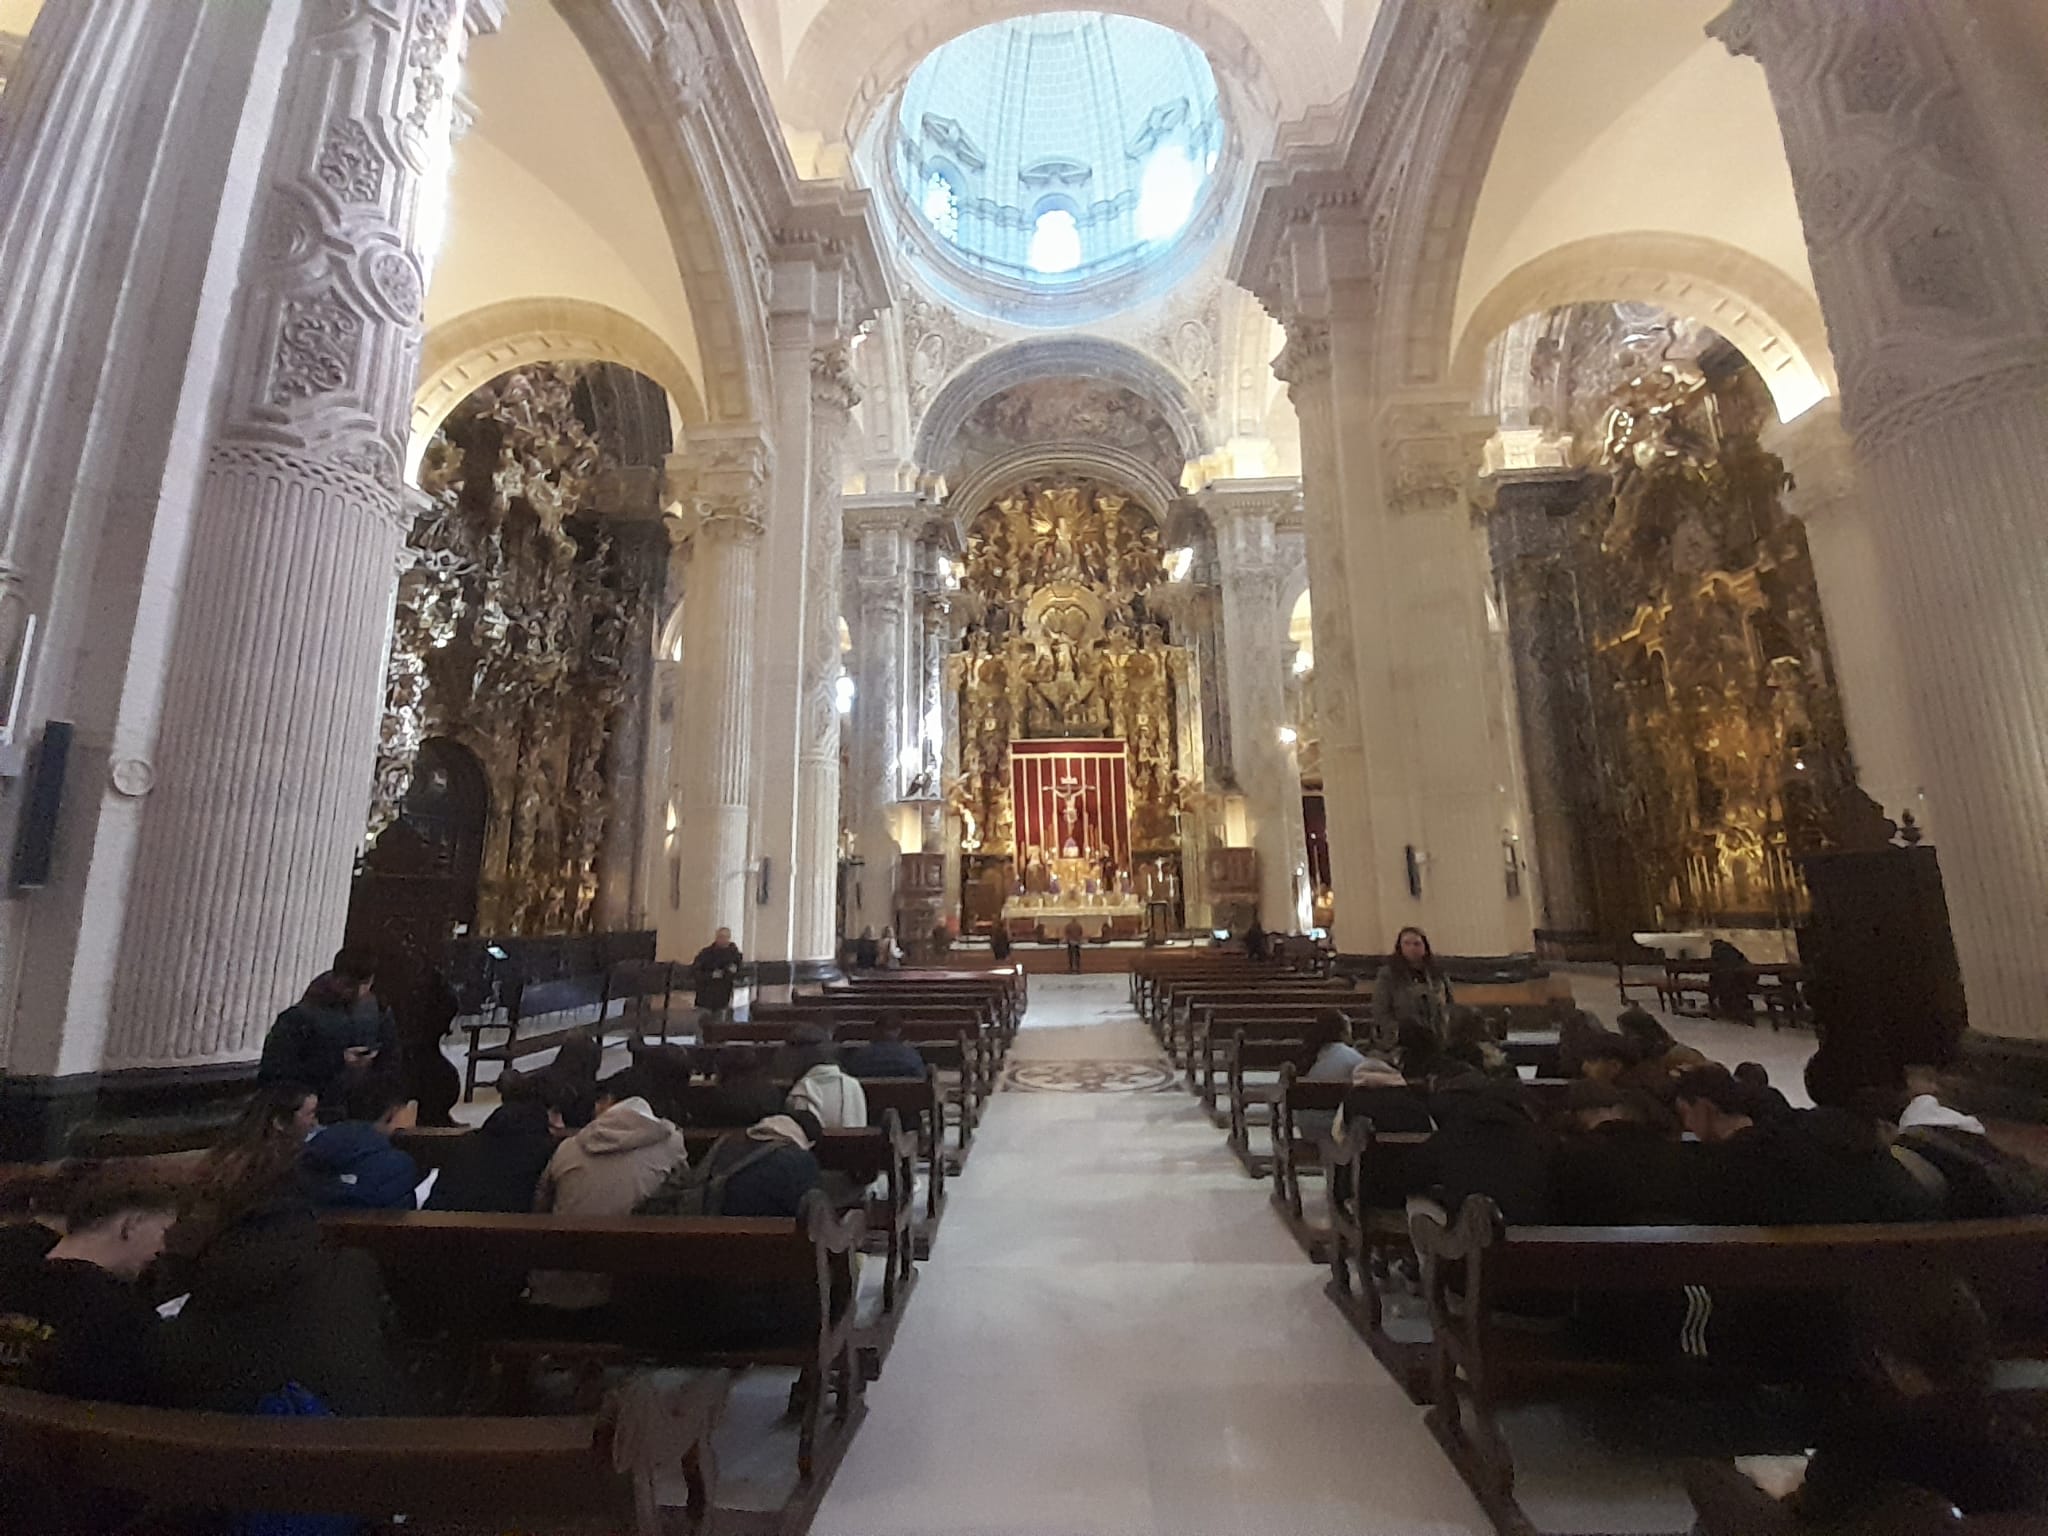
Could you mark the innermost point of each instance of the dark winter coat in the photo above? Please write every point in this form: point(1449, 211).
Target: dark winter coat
point(883, 1058)
point(273, 1302)
point(306, 1043)
point(497, 1166)
point(1486, 1143)
point(1620, 1174)
point(772, 1186)
point(353, 1166)
point(1809, 1167)
point(716, 971)
point(1400, 996)
point(69, 1327)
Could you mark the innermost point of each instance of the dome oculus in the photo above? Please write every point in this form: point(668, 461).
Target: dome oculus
point(1055, 150)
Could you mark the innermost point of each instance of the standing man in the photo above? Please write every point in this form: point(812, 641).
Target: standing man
point(717, 969)
point(1074, 934)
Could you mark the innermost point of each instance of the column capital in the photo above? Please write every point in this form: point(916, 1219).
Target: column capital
point(834, 385)
point(1276, 500)
point(1820, 457)
point(721, 478)
point(1434, 450)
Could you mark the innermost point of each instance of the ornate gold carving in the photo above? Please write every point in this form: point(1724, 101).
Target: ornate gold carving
point(1062, 643)
point(510, 637)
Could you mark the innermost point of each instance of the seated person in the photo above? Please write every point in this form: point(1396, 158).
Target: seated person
point(1827, 1164)
point(1395, 1100)
point(73, 1321)
point(1975, 1177)
point(822, 1087)
point(1336, 1058)
point(1923, 1414)
point(1603, 1057)
point(1769, 1102)
point(1487, 1143)
point(605, 1169)
point(763, 1171)
point(275, 1312)
point(741, 1093)
point(887, 1055)
point(1617, 1165)
point(497, 1167)
point(352, 1165)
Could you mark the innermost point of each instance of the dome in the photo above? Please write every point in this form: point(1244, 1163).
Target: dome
point(1052, 154)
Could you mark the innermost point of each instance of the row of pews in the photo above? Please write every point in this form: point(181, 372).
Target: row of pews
point(635, 1449)
point(1467, 1359)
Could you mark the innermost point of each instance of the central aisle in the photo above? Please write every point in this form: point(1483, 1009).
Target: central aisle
point(1117, 1336)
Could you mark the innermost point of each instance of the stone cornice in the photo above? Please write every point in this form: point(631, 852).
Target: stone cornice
point(1276, 497)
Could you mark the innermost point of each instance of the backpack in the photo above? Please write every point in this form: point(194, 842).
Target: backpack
point(293, 1401)
point(1983, 1180)
point(700, 1191)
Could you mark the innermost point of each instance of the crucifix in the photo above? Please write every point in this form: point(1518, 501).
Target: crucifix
point(1067, 792)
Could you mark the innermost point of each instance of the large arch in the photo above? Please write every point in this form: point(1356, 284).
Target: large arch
point(476, 347)
point(665, 78)
point(1113, 465)
point(1768, 316)
point(1284, 53)
point(1084, 357)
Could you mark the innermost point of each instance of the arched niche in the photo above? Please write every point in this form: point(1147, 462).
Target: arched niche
point(471, 350)
point(1774, 322)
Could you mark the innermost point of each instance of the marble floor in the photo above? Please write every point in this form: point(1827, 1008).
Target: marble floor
point(1116, 1335)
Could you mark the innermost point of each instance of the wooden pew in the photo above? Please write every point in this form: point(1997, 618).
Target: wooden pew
point(1150, 974)
point(1215, 1024)
point(1475, 1366)
point(1293, 1152)
point(1181, 1004)
point(645, 992)
point(535, 1000)
point(1361, 1232)
point(814, 1251)
point(539, 1475)
point(1243, 1056)
point(1005, 989)
point(945, 1048)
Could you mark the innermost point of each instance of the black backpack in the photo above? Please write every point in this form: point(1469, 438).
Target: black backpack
point(700, 1191)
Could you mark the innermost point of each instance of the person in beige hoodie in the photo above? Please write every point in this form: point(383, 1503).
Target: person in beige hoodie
point(605, 1169)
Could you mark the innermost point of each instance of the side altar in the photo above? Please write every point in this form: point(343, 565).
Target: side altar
point(1078, 736)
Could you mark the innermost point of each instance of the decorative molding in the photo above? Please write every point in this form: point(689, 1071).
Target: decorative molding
point(350, 164)
point(1434, 452)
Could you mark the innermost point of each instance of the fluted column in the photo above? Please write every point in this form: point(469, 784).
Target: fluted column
point(883, 530)
point(1304, 365)
point(816, 928)
point(723, 484)
point(264, 754)
point(1246, 516)
point(1918, 174)
point(131, 135)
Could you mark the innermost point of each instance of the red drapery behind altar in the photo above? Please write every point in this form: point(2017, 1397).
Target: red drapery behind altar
point(1039, 770)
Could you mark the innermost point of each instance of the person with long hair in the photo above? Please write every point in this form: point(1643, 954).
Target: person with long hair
point(1411, 989)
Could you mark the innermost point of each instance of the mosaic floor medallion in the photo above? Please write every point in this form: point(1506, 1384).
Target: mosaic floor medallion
point(1088, 1076)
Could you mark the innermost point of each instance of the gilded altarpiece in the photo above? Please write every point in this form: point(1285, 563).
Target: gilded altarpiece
point(1063, 651)
point(1683, 729)
point(513, 637)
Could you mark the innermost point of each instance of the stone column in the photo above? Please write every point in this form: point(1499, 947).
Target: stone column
point(631, 506)
point(1433, 578)
point(816, 926)
point(886, 689)
point(268, 734)
point(1304, 365)
point(1245, 516)
point(1919, 182)
point(1539, 595)
point(132, 135)
point(722, 483)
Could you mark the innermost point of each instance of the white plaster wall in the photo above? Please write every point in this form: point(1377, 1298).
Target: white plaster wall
point(511, 237)
point(1629, 118)
point(548, 196)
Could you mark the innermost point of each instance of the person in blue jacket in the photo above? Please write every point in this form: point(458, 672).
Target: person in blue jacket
point(352, 1163)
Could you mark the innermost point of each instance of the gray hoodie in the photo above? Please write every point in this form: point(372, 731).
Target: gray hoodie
point(605, 1169)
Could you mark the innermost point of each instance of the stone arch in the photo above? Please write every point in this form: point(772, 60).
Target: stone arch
point(1080, 357)
point(1110, 465)
point(476, 347)
point(701, 207)
point(1297, 64)
point(1769, 317)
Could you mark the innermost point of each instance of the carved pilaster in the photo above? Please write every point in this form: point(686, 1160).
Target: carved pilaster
point(265, 753)
point(1920, 198)
point(1247, 518)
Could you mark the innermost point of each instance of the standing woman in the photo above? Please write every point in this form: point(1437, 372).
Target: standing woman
point(1410, 989)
